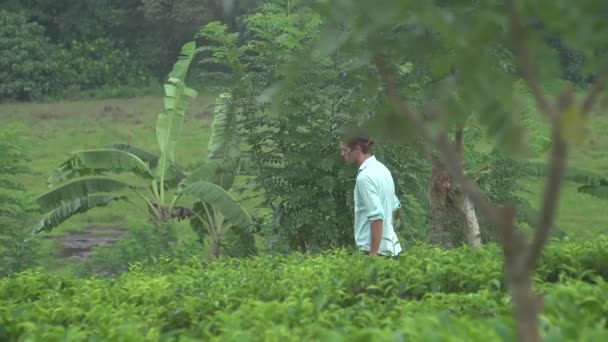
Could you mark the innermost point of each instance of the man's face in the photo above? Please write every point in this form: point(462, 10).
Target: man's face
point(350, 155)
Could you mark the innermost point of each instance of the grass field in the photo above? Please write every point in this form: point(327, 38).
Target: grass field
point(50, 131)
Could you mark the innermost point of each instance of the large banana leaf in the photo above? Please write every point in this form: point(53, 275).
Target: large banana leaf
point(174, 174)
point(225, 141)
point(220, 199)
point(99, 161)
point(78, 188)
point(177, 98)
point(73, 207)
point(216, 171)
point(239, 243)
point(150, 158)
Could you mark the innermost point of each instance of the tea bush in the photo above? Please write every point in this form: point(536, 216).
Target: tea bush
point(342, 295)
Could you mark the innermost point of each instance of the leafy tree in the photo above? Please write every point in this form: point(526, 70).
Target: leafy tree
point(30, 65)
point(463, 39)
point(80, 184)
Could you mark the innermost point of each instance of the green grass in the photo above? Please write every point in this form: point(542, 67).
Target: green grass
point(581, 216)
point(50, 131)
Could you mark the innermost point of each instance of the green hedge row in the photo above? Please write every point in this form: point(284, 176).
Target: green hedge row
point(428, 294)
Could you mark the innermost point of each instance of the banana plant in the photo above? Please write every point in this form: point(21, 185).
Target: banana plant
point(82, 183)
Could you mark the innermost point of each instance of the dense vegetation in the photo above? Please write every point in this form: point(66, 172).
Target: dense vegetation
point(229, 199)
point(338, 296)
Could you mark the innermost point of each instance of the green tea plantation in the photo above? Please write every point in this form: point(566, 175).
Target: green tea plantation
point(429, 294)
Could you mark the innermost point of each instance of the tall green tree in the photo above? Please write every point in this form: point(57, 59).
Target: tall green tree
point(295, 163)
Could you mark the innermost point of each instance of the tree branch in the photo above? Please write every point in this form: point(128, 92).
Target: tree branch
point(524, 62)
point(448, 151)
point(598, 86)
point(551, 199)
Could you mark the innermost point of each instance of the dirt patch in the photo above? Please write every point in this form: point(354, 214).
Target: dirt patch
point(78, 246)
point(47, 115)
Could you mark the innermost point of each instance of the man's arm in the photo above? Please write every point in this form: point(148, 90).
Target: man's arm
point(376, 233)
point(374, 212)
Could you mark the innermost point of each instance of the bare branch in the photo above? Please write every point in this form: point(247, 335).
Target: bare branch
point(551, 195)
point(598, 86)
point(524, 62)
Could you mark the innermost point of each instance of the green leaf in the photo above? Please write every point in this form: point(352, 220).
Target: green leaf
point(177, 98)
point(174, 173)
point(224, 141)
point(222, 201)
point(73, 207)
point(78, 188)
point(87, 162)
point(217, 171)
point(150, 158)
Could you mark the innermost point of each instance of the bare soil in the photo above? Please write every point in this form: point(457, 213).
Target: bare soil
point(78, 246)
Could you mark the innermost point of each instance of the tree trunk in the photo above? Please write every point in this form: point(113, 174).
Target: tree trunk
point(471, 224)
point(215, 248)
point(302, 245)
point(439, 196)
point(452, 213)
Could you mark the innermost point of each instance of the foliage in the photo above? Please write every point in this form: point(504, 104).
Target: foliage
point(295, 163)
point(17, 248)
point(110, 42)
point(35, 68)
point(80, 185)
point(30, 66)
point(141, 245)
point(101, 62)
point(480, 82)
point(431, 294)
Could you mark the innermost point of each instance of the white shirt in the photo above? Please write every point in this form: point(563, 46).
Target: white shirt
point(375, 199)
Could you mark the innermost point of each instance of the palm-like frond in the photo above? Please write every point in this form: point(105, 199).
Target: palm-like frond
point(73, 207)
point(220, 199)
point(78, 188)
point(177, 99)
point(219, 172)
point(100, 161)
point(225, 141)
point(150, 158)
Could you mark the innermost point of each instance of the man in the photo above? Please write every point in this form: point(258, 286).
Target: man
point(375, 199)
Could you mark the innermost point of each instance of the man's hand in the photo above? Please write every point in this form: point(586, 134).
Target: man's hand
point(376, 233)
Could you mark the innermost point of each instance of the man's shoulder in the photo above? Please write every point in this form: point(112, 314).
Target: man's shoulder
point(376, 169)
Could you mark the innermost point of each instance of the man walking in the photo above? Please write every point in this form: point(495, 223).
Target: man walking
point(375, 199)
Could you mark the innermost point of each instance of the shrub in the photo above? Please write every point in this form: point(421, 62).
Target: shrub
point(17, 246)
point(30, 66)
point(429, 294)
